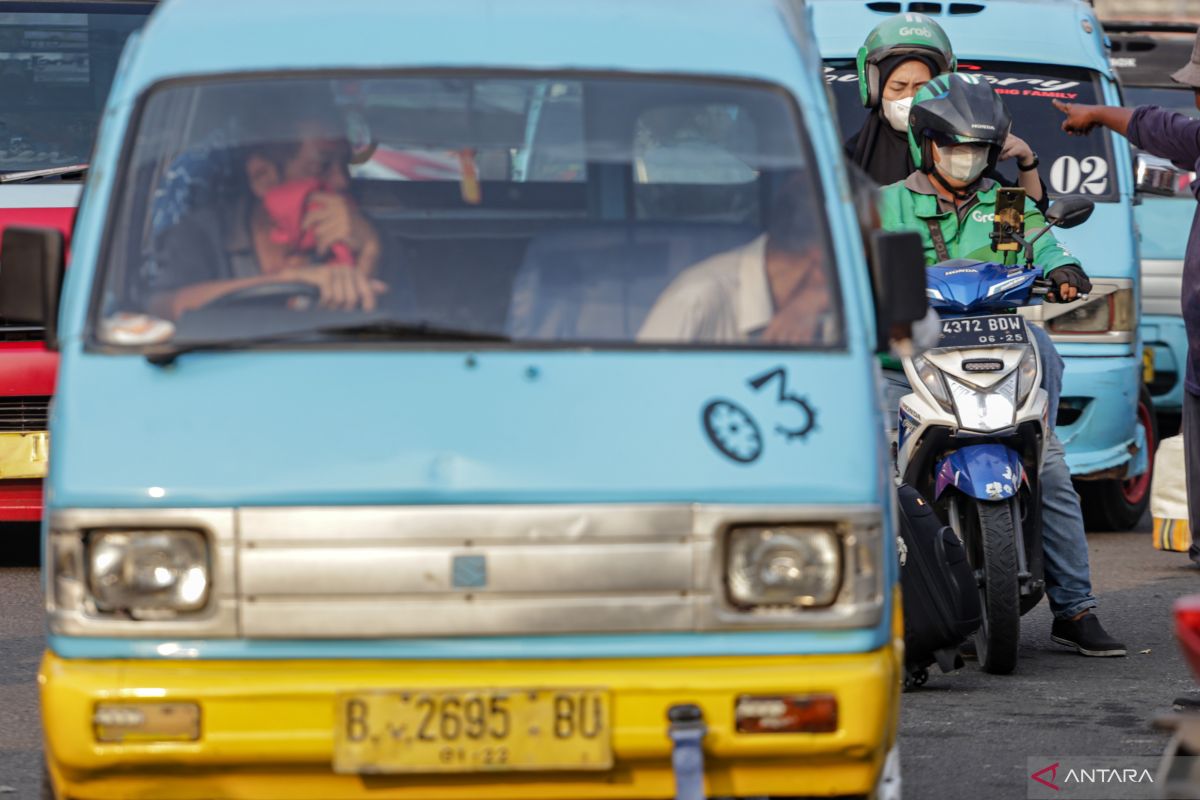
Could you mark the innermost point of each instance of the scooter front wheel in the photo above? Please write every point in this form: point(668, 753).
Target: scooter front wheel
point(990, 534)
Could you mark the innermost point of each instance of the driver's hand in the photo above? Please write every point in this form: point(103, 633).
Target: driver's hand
point(803, 317)
point(343, 288)
point(1069, 282)
point(1079, 121)
point(336, 218)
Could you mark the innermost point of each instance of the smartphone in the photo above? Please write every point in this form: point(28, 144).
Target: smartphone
point(1010, 219)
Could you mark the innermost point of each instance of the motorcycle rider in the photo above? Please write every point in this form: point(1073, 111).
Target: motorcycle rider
point(957, 129)
point(900, 55)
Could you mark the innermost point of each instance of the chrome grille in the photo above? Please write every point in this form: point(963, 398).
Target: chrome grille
point(24, 414)
point(380, 572)
point(21, 333)
point(1162, 284)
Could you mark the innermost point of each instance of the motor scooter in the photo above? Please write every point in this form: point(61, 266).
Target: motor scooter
point(972, 432)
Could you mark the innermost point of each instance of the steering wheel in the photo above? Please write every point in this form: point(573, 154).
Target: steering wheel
point(273, 294)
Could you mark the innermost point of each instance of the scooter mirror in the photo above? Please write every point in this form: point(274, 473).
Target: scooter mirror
point(898, 278)
point(1070, 211)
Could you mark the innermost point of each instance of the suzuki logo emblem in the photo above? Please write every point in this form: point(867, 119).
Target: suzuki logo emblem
point(468, 572)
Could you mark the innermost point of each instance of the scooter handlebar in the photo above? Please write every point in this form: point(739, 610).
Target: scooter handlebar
point(1045, 286)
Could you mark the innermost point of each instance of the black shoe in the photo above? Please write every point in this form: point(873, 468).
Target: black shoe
point(1086, 635)
point(967, 650)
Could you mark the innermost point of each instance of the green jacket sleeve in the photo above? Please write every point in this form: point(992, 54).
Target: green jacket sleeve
point(1048, 253)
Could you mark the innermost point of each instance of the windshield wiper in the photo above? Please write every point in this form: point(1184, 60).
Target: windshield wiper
point(165, 356)
point(421, 330)
point(38, 174)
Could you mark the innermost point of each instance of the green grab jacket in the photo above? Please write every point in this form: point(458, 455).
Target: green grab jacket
point(902, 209)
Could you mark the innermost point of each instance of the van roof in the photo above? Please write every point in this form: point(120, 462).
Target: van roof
point(736, 38)
point(1031, 31)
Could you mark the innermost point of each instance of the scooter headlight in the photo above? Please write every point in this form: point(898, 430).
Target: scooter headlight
point(931, 376)
point(1026, 375)
point(985, 409)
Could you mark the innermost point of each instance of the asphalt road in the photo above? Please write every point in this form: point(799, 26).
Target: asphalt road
point(21, 637)
point(965, 735)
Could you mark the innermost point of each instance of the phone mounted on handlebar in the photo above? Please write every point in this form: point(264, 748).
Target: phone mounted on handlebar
point(1009, 221)
point(1008, 225)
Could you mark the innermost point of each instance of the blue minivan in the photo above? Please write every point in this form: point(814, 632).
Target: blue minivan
point(1033, 52)
point(469, 399)
point(1144, 54)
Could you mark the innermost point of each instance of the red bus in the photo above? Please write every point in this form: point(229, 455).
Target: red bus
point(57, 59)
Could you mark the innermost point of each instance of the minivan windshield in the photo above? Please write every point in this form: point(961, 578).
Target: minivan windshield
point(538, 209)
point(1182, 99)
point(1069, 164)
point(55, 73)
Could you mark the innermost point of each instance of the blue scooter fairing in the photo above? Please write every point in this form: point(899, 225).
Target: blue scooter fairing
point(964, 285)
point(983, 471)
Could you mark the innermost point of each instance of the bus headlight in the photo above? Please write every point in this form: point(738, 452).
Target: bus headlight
point(783, 565)
point(1112, 312)
point(148, 574)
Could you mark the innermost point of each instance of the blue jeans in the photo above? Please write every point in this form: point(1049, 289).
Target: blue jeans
point(1064, 538)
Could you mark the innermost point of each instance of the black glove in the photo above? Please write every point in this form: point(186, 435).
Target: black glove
point(1072, 275)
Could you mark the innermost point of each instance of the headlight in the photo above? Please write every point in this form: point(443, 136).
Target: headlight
point(1026, 375)
point(987, 409)
point(931, 376)
point(1112, 312)
point(148, 574)
point(783, 566)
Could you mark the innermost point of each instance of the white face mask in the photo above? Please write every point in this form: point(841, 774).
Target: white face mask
point(896, 113)
point(963, 162)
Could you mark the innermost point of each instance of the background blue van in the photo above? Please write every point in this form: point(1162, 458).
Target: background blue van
point(1034, 52)
point(1144, 54)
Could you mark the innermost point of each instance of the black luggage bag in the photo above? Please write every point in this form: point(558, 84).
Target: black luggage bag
point(941, 598)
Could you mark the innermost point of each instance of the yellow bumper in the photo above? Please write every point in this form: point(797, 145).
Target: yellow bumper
point(23, 455)
point(267, 727)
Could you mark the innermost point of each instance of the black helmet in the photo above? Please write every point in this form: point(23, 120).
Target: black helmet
point(957, 109)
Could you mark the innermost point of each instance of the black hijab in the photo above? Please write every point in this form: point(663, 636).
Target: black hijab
point(878, 148)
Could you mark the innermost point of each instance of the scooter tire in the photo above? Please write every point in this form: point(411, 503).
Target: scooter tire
point(998, 638)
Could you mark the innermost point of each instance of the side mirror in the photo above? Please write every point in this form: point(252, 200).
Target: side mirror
point(31, 272)
point(1157, 176)
point(1070, 211)
point(898, 277)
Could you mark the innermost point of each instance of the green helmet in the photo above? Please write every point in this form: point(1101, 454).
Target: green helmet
point(963, 109)
point(896, 35)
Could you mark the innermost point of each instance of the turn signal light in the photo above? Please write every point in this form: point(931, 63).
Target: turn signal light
point(1187, 629)
point(813, 713)
point(146, 722)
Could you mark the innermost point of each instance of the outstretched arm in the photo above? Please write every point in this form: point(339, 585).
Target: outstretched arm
point(1167, 134)
point(1083, 119)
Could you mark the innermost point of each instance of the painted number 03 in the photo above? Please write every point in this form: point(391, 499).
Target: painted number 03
point(1088, 176)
